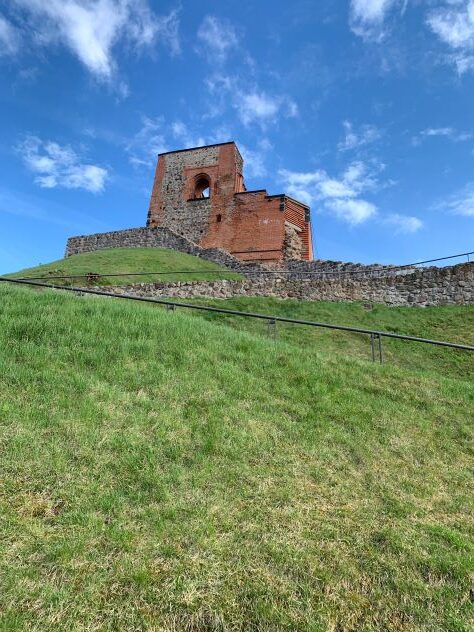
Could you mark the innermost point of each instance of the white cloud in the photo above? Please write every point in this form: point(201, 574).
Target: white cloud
point(255, 159)
point(442, 132)
point(454, 25)
point(355, 139)
point(404, 224)
point(157, 136)
point(352, 211)
point(58, 166)
point(370, 10)
point(450, 132)
point(340, 196)
point(462, 202)
point(185, 137)
point(361, 177)
point(292, 110)
point(9, 38)
point(257, 107)
point(335, 188)
point(367, 16)
point(217, 38)
point(463, 63)
point(92, 29)
point(147, 143)
point(253, 106)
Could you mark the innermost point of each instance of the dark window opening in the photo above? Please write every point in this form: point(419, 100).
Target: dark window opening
point(219, 218)
point(202, 190)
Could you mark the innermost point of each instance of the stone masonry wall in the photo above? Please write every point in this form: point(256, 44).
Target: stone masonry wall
point(147, 238)
point(168, 206)
point(423, 287)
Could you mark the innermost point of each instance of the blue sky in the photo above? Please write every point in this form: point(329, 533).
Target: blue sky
point(362, 108)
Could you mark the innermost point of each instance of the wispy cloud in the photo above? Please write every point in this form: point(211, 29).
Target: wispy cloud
point(185, 137)
point(255, 159)
point(341, 196)
point(9, 37)
point(442, 132)
point(262, 108)
point(253, 105)
point(344, 197)
point(352, 211)
point(60, 166)
point(404, 224)
point(157, 136)
point(367, 17)
point(357, 138)
point(217, 38)
point(91, 30)
point(257, 107)
point(453, 23)
point(461, 203)
point(147, 143)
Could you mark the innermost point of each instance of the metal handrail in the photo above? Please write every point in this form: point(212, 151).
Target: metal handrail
point(375, 334)
point(322, 273)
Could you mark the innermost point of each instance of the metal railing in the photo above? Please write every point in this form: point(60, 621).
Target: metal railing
point(369, 270)
point(375, 336)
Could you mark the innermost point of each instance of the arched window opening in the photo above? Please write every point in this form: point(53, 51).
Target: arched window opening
point(202, 189)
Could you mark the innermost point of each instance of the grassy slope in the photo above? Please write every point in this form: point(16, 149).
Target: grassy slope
point(162, 473)
point(117, 260)
point(454, 323)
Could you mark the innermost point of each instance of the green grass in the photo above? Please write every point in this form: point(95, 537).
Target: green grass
point(163, 473)
point(453, 323)
point(118, 260)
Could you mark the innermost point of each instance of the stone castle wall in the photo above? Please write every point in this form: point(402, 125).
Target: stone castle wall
point(307, 280)
point(424, 287)
point(166, 238)
point(147, 238)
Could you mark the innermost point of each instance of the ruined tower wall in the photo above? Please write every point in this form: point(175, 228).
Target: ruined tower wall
point(249, 224)
point(169, 205)
point(257, 227)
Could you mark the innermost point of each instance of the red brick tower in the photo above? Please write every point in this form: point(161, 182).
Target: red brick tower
point(200, 194)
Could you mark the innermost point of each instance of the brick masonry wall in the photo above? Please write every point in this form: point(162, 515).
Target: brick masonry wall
point(453, 285)
point(248, 224)
point(256, 227)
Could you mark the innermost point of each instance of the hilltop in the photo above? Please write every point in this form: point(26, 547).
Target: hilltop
point(161, 472)
point(119, 260)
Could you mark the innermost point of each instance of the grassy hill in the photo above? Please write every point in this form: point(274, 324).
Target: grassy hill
point(453, 323)
point(163, 473)
point(118, 260)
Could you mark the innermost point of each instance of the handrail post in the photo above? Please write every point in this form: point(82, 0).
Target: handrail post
point(272, 328)
point(373, 337)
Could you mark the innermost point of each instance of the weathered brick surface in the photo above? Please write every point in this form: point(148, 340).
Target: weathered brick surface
point(251, 225)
